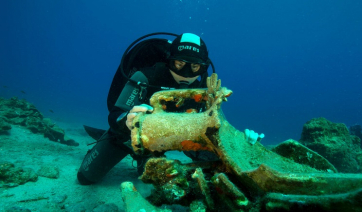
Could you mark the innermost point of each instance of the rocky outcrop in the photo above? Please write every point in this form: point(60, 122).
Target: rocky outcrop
point(357, 131)
point(4, 125)
point(11, 176)
point(20, 112)
point(334, 142)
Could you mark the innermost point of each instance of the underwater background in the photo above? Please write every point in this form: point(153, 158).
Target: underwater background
point(287, 61)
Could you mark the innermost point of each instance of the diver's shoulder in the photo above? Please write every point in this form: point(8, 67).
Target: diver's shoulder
point(154, 72)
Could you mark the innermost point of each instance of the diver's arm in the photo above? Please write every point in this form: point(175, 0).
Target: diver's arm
point(128, 98)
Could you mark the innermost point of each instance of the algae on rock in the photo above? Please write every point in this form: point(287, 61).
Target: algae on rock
point(334, 142)
point(20, 112)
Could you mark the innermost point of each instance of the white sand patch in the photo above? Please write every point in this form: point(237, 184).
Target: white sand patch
point(26, 149)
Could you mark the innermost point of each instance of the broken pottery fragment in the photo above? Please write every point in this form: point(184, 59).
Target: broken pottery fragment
point(248, 177)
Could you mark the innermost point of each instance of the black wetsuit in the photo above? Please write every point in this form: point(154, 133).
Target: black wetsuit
point(110, 148)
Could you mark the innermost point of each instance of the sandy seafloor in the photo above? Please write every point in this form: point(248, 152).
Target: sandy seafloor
point(25, 149)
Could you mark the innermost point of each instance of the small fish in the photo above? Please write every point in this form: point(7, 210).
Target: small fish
point(51, 111)
point(23, 92)
point(4, 86)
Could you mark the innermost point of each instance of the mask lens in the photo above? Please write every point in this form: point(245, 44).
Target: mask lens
point(195, 67)
point(179, 64)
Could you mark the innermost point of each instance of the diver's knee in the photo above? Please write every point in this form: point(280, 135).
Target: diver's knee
point(100, 160)
point(83, 180)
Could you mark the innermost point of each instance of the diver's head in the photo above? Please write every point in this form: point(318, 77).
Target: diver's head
point(188, 58)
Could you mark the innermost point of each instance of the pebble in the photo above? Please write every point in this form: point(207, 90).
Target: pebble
point(49, 171)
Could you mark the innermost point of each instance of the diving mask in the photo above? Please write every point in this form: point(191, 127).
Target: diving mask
point(187, 69)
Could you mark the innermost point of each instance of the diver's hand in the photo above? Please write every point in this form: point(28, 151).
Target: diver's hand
point(134, 111)
point(252, 137)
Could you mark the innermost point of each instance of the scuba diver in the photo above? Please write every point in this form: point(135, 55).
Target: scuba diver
point(146, 67)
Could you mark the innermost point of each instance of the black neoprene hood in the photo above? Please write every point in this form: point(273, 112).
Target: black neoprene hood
point(189, 48)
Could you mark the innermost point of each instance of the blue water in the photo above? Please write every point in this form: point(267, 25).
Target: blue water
point(287, 61)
